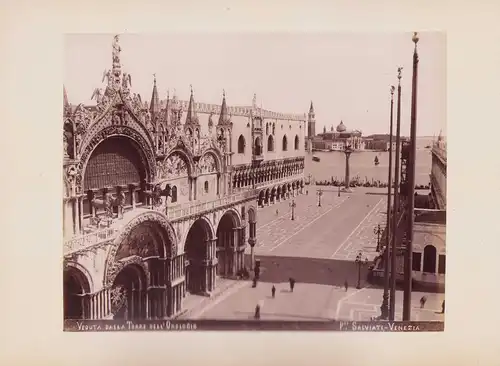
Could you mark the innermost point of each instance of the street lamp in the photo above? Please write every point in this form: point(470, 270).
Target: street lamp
point(293, 205)
point(347, 152)
point(377, 231)
point(360, 262)
point(319, 193)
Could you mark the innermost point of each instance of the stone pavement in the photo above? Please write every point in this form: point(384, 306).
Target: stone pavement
point(363, 304)
point(339, 229)
point(312, 302)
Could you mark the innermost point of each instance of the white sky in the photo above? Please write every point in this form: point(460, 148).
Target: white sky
point(346, 75)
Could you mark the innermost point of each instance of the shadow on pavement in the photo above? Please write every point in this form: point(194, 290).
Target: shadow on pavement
point(310, 270)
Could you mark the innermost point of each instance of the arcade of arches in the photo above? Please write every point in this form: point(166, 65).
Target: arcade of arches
point(149, 282)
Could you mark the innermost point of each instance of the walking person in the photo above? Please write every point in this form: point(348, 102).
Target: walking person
point(273, 291)
point(423, 300)
point(257, 312)
point(277, 212)
point(346, 285)
point(292, 283)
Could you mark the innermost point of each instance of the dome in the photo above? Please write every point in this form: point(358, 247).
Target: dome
point(341, 127)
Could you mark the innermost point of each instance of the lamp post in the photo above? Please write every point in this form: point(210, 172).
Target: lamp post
point(347, 152)
point(411, 185)
point(360, 262)
point(377, 231)
point(293, 205)
point(319, 193)
point(384, 313)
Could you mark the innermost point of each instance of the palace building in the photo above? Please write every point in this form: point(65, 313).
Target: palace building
point(161, 198)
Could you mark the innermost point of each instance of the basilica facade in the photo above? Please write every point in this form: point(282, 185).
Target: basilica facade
point(161, 198)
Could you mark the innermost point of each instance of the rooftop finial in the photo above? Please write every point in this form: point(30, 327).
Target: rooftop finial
point(399, 74)
point(415, 39)
point(223, 93)
point(191, 87)
point(154, 78)
point(392, 89)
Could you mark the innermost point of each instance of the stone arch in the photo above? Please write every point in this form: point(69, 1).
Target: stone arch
point(163, 231)
point(217, 160)
point(266, 200)
point(128, 299)
point(76, 283)
point(252, 214)
point(139, 143)
point(284, 145)
point(296, 142)
point(241, 145)
point(229, 237)
point(430, 259)
point(182, 154)
point(270, 143)
point(261, 197)
point(197, 246)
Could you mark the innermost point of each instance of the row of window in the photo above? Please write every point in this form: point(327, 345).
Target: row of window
point(270, 144)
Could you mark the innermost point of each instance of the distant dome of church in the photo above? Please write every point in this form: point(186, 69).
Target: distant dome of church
point(341, 127)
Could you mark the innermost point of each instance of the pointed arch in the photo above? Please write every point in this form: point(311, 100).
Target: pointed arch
point(285, 143)
point(241, 145)
point(270, 143)
point(296, 143)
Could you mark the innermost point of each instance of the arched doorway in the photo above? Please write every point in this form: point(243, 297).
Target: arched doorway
point(142, 287)
point(266, 200)
point(430, 259)
point(129, 300)
point(229, 254)
point(198, 252)
point(75, 287)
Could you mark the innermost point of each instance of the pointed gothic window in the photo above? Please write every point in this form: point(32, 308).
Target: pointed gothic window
point(270, 143)
point(296, 142)
point(241, 145)
point(285, 144)
point(206, 187)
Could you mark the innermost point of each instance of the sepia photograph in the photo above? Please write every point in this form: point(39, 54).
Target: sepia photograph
point(254, 181)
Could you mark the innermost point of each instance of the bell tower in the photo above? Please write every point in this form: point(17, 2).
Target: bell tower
point(311, 127)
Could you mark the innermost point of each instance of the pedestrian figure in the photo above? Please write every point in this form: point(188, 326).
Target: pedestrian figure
point(292, 284)
point(307, 192)
point(257, 312)
point(346, 285)
point(423, 300)
point(442, 308)
point(273, 291)
point(277, 212)
point(254, 282)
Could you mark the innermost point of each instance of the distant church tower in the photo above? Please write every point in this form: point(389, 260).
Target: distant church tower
point(311, 127)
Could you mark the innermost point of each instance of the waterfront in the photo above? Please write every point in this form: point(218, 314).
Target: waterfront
point(332, 164)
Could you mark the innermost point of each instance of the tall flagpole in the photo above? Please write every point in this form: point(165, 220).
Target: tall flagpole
point(411, 190)
point(384, 314)
point(395, 215)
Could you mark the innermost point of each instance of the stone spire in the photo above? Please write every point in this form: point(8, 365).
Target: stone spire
point(66, 105)
point(311, 109)
point(154, 106)
point(191, 116)
point(166, 110)
point(224, 117)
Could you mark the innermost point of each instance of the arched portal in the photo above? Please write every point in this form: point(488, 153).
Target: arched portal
point(76, 286)
point(141, 287)
point(116, 162)
point(198, 250)
point(229, 255)
point(130, 297)
point(430, 259)
point(266, 200)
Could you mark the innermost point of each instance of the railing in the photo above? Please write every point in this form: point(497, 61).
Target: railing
point(186, 209)
point(88, 240)
point(276, 181)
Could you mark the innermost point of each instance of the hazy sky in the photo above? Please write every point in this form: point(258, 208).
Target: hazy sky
point(346, 75)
